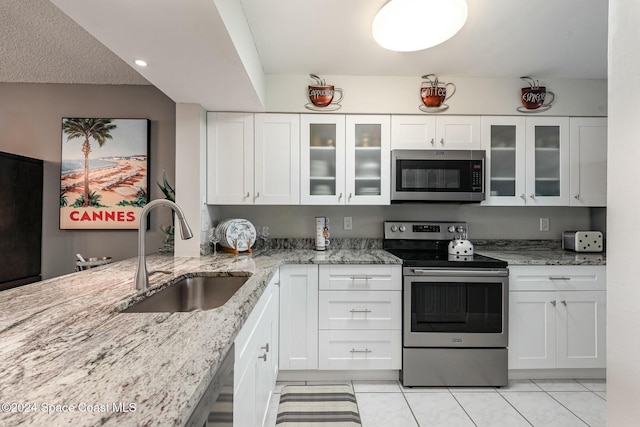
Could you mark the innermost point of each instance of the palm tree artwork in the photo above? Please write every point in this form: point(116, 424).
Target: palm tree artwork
point(97, 129)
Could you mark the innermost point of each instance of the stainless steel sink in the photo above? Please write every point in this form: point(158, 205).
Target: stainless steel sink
point(191, 293)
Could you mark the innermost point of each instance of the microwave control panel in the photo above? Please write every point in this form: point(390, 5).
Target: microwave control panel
point(477, 175)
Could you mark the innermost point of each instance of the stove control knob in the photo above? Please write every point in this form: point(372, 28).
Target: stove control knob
point(460, 229)
point(403, 228)
point(451, 229)
point(394, 228)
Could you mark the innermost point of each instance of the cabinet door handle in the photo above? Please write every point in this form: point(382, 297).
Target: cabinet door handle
point(559, 278)
point(340, 197)
point(257, 194)
point(349, 196)
point(366, 350)
point(564, 303)
point(265, 347)
point(263, 357)
point(361, 277)
point(523, 197)
point(442, 141)
point(366, 310)
point(248, 195)
point(577, 197)
point(433, 142)
point(532, 196)
point(553, 303)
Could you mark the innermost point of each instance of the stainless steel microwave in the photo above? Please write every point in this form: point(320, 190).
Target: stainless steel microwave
point(437, 176)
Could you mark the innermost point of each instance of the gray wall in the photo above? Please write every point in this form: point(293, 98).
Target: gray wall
point(485, 222)
point(30, 125)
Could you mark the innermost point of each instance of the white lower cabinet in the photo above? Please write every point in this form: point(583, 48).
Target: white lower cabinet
point(256, 364)
point(360, 317)
point(557, 317)
point(298, 317)
point(336, 317)
point(360, 349)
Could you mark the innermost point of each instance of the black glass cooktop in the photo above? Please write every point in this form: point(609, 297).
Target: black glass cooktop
point(422, 258)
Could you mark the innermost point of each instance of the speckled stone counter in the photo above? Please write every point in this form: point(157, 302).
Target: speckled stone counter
point(65, 343)
point(536, 252)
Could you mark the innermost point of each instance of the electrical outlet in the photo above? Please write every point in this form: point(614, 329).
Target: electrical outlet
point(544, 224)
point(348, 223)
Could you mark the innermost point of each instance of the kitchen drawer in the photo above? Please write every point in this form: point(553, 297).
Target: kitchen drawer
point(557, 278)
point(360, 310)
point(358, 349)
point(361, 277)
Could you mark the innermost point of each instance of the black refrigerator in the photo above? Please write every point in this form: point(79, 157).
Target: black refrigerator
point(20, 220)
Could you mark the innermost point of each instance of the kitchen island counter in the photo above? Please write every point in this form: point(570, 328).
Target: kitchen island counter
point(69, 357)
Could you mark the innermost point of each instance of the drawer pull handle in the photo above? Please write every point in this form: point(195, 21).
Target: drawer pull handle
point(265, 347)
point(366, 350)
point(361, 277)
point(366, 310)
point(559, 278)
point(263, 357)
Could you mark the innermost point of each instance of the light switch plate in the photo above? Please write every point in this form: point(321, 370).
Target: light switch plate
point(544, 224)
point(348, 223)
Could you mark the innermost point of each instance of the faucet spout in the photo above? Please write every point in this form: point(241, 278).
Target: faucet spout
point(142, 275)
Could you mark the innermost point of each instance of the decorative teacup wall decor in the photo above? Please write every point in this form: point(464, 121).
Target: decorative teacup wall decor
point(533, 97)
point(433, 94)
point(323, 97)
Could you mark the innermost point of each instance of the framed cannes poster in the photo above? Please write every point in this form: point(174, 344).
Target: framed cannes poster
point(104, 173)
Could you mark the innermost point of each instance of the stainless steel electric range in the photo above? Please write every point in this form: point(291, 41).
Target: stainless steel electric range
point(455, 308)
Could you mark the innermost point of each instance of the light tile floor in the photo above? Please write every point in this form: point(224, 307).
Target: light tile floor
point(538, 403)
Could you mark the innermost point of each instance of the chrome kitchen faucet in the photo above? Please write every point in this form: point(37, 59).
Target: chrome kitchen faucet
point(142, 276)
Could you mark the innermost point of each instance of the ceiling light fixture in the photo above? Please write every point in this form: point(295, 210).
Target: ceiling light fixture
point(141, 62)
point(410, 25)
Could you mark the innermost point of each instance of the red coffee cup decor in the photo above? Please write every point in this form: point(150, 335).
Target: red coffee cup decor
point(323, 96)
point(533, 97)
point(433, 94)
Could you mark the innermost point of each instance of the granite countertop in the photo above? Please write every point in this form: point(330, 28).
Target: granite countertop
point(536, 252)
point(64, 343)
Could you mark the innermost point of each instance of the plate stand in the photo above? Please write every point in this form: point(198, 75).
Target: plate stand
point(235, 250)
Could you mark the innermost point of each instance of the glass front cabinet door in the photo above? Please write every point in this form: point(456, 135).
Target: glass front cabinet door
point(547, 154)
point(503, 139)
point(322, 159)
point(345, 159)
point(527, 160)
point(367, 167)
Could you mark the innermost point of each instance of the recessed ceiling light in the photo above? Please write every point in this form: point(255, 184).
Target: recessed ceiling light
point(140, 62)
point(410, 25)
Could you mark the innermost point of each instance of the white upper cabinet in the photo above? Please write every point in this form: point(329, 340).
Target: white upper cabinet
point(277, 159)
point(588, 161)
point(503, 139)
point(344, 159)
point(547, 161)
point(442, 132)
point(229, 158)
point(253, 159)
point(322, 159)
point(368, 160)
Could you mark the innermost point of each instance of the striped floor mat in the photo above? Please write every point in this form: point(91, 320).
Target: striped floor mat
point(318, 405)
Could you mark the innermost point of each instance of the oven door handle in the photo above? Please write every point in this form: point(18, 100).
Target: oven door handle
point(483, 273)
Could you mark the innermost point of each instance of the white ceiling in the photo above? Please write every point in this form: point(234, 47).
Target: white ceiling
point(194, 59)
point(502, 38)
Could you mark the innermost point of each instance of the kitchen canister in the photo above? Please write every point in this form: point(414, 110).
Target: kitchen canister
point(322, 233)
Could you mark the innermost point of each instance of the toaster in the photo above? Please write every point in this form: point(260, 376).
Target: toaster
point(582, 241)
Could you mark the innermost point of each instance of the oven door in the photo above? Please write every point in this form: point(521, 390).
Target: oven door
point(455, 308)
